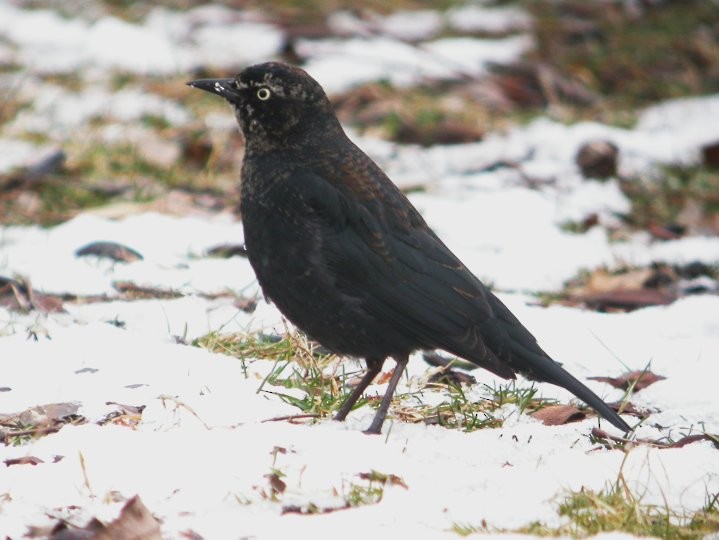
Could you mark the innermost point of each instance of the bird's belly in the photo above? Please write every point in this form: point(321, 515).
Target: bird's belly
point(293, 273)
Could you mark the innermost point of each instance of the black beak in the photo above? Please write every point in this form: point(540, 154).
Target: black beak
point(222, 87)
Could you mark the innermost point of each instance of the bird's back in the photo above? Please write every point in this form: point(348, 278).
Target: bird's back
point(350, 260)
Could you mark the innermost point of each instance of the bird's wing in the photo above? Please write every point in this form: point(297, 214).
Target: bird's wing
point(406, 276)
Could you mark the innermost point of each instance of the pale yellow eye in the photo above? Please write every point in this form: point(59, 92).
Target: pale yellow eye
point(263, 94)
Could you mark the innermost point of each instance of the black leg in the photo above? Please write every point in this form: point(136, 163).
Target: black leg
point(373, 368)
point(376, 427)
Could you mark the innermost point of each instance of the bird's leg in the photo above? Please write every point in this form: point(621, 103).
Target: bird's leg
point(373, 367)
point(375, 427)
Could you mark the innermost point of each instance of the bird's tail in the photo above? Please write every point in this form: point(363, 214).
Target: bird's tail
point(547, 370)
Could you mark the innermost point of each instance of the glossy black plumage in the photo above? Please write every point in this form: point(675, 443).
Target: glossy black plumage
point(347, 258)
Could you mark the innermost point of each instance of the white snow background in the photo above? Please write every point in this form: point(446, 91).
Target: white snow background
point(202, 450)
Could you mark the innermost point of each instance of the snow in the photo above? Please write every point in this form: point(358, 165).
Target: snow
point(166, 42)
point(17, 153)
point(411, 25)
point(426, 24)
point(341, 64)
point(204, 447)
point(200, 456)
point(56, 112)
point(475, 18)
point(170, 251)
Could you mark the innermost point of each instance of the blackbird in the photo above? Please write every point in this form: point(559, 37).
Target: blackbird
point(346, 257)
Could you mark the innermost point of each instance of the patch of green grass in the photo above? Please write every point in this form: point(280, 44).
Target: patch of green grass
point(95, 174)
point(323, 393)
point(371, 489)
point(660, 51)
point(362, 495)
point(19, 433)
point(661, 197)
point(71, 81)
point(10, 106)
point(432, 113)
point(155, 122)
point(247, 346)
point(120, 162)
point(617, 509)
point(461, 412)
point(299, 365)
point(302, 12)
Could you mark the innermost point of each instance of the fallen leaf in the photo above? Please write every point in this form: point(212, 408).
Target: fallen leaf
point(35, 172)
point(710, 155)
point(558, 415)
point(639, 380)
point(613, 441)
point(382, 478)
point(248, 305)
point(135, 522)
point(39, 420)
point(25, 460)
point(601, 281)
point(138, 292)
point(225, 251)
point(109, 250)
point(196, 150)
point(18, 295)
point(66, 531)
point(665, 232)
point(127, 409)
point(629, 408)
point(41, 414)
point(625, 299)
point(598, 159)
point(277, 485)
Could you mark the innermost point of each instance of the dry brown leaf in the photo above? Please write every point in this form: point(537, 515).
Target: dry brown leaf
point(39, 420)
point(135, 522)
point(277, 485)
point(376, 476)
point(598, 159)
point(710, 155)
point(619, 442)
point(558, 415)
point(134, 291)
point(18, 295)
point(41, 414)
point(640, 380)
point(602, 281)
point(225, 251)
point(25, 460)
point(664, 232)
point(109, 250)
point(626, 299)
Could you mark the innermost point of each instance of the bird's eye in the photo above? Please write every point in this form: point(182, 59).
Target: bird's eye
point(263, 94)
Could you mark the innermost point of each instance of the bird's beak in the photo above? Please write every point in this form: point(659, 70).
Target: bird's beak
point(222, 87)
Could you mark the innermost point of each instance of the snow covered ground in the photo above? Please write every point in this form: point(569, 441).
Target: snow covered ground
point(202, 454)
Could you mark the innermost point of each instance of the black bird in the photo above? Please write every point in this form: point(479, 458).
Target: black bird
point(347, 258)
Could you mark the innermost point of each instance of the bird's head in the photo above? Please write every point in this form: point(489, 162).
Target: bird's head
point(274, 103)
